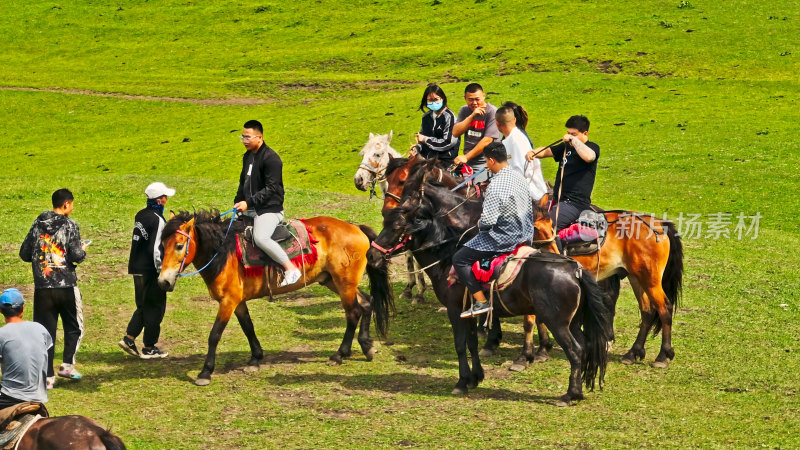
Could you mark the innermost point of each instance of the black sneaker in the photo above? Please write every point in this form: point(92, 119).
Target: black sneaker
point(152, 352)
point(129, 345)
point(477, 309)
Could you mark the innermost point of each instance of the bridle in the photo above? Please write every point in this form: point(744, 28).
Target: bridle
point(189, 241)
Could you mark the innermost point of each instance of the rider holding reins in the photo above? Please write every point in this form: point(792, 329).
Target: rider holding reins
point(260, 195)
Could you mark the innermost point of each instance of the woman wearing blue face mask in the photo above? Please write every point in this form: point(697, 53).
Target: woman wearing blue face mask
point(435, 138)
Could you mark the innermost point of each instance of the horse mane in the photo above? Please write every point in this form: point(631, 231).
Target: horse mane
point(394, 164)
point(210, 230)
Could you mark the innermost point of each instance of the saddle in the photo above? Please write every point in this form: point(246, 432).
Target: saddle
point(15, 421)
point(501, 270)
point(587, 235)
point(293, 236)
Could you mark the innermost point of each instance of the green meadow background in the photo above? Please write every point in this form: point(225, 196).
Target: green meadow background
point(693, 103)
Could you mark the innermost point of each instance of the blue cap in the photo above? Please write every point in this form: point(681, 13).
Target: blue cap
point(12, 297)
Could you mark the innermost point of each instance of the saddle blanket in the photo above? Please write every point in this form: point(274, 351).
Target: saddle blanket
point(503, 268)
point(293, 236)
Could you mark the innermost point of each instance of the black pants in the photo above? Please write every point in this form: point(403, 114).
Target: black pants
point(151, 302)
point(48, 305)
point(7, 402)
point(463, 260)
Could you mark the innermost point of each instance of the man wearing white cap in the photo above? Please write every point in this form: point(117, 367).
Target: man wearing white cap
point(145, 264)
point(23, 354)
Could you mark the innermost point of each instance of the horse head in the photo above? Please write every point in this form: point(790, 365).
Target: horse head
point(543, 235)
point(179, 239)
point(374, 158)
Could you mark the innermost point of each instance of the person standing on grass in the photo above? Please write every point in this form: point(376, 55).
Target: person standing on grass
point(23, 354)
point(144, 264)
point(476, 123)
point(577, 157)
point(435, 138)
point(518, 146)
point(53, 247)
point(260, 195)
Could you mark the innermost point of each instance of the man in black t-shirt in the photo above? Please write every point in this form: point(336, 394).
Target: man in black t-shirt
point(577, 165)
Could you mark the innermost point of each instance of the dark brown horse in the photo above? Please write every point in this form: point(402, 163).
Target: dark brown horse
point(69, 432)
point(564, 297)
point(397, 172)
point(341, 249)
point(644, 248)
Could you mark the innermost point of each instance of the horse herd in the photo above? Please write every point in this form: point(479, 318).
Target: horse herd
point(427, 214)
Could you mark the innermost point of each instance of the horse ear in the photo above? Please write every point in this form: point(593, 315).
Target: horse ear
point(391, 157)
point(391, 133)
point(171, 214)
point(371, 135)
point(544, 200)
point(189, 225)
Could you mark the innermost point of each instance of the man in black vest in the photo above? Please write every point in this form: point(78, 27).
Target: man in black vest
point(145, 264)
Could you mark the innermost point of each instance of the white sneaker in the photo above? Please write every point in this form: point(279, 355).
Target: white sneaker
point(51, 382)
point(291, 277)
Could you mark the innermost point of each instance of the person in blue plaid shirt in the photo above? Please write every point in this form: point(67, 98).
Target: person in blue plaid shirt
point(506, 222)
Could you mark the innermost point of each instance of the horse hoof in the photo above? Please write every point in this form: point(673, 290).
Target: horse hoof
point(486, 352)
point(417, 300)
point(202, 381)
point(460, 391)
point(562, 404)
point(660, 364)
point(371, 353)
point(517, 367)
point(541, 358)
point(627, 361)
point(334, 362)
point(482, 334)
point(406, 294)
point(250, 369)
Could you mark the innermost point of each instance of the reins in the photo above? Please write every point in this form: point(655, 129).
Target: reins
point(189, 240)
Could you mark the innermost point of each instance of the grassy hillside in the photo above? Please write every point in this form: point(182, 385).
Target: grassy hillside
point(692, 102)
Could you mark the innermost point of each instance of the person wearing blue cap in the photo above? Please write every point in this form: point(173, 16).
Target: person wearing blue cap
point(23, 354)
point(53, 246)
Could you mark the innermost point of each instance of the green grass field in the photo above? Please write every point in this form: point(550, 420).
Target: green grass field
point(692, 102)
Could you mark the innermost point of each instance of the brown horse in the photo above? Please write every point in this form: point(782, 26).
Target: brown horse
point(642, 247)
point(201, 239)
point(68, 432)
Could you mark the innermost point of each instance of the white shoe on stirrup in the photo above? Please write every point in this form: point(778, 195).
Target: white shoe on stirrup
point(291, 277)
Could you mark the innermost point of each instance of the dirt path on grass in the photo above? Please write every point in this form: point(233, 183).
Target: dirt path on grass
point(233, 101)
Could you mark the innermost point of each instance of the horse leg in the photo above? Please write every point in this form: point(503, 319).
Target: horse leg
point(472, 344)
point(352, 313)
point(574, 352)
point(545, 344)
point(226, 308)
point(409, 289)
point(527, 346)
point(664, 309)
point(637, 351)
point(364, 300)
point(461, 330)
point(492, 339)
point(419, 280)
point(256, 353)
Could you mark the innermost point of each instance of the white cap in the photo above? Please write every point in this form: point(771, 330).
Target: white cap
point(157, 189)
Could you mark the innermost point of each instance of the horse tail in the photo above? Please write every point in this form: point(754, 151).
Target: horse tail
point(110, 440)
point(598, 328)
point(672, 281)
point(379, 288)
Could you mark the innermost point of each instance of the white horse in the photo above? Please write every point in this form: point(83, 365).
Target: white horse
point(375, 157)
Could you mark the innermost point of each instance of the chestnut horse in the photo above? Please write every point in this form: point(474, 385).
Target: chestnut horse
point(200, 239)
point(432, 221)
point(68, 432)
point(642, 247)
